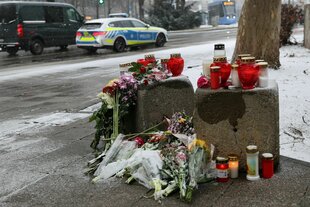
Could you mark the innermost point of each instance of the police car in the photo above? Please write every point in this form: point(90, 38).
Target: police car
point(118, 33)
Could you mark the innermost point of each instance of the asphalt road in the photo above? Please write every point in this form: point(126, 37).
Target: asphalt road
point(176, 39)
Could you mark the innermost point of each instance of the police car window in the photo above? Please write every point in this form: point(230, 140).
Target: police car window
point(91, 26)
point(72, 15)
point(116, 24)
point(54, 14)
point(127, 23)
point(32, 13)
point(7, 13)
point(137, 24)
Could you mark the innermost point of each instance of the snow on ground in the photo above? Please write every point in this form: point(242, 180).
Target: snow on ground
point(292, 77)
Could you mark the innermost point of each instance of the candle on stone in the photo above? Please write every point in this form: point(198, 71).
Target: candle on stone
point(206, 67)
point(233, 165)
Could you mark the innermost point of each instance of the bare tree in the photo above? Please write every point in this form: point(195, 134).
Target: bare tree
point(259, 30)
point(141, 9)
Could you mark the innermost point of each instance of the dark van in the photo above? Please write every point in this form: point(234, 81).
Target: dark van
point(36, 25)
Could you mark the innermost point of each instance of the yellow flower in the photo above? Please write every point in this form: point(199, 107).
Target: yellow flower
point(107, 98)
point(182, 120)
point(198, 143)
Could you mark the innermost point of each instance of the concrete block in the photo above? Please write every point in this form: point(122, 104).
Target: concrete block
point(163, 98)
point(232, 119)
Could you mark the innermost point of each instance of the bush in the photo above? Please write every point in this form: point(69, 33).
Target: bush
point(170, 18)
point(289, 17)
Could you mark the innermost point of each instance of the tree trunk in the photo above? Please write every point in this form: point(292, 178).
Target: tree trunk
point(141, 9)
point(259, 30)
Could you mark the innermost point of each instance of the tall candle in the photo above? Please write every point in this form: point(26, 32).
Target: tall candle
point(233, 165)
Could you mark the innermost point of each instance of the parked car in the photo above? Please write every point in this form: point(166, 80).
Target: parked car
point(36, 25)
point(118, 33)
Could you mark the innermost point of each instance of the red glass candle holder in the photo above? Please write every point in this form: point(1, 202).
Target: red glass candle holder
point(150, 58)
point(222, 169)
point(215, 77)
point(225, 68)
point(176, 64)
point(240, 56)
point(267, 165)
point(248, 73)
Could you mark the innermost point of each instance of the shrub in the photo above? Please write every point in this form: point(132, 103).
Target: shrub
point(289, 17)
point(171, 18)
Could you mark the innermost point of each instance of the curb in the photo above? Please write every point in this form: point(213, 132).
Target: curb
point(203, 29)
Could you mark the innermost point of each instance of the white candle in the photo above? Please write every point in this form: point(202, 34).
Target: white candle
point(233, 164)
point(234, 75)
point(206, 68)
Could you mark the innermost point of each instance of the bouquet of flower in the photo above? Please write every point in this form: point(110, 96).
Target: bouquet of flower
point(116, 97)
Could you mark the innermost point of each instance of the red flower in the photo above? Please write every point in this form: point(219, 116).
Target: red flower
point(139, 141)
point(146, 82)
point(143, 62)
point(142, 70)
point(110, 87)
point(203, 82)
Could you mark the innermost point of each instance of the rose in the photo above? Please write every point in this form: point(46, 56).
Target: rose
point(139, 141)
point(203, 82)
point(142, 70)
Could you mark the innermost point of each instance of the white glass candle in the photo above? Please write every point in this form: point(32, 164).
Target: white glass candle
point(252, 162)
point(234, 75)
point(219, 50)
point(233, 166)
point(263, 75)
point(206, 68)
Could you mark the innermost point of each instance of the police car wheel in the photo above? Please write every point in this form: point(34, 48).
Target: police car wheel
point(12, 50)
point(119, 45)
point(36, 47)
point(160, 40)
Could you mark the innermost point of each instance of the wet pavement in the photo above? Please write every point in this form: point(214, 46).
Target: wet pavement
point(50, 173)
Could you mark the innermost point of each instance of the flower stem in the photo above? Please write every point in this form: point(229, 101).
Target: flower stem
point(132, 136)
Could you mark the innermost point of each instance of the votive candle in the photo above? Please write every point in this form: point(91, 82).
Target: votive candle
point(233, 163)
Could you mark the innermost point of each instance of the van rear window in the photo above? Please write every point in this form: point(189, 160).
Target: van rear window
point(7, 13)
point(91, 26)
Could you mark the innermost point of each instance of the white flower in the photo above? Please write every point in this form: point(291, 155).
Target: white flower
point(105, 97)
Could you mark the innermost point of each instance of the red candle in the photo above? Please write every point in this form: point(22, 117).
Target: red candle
point(248, 73)
point(225, 68)
point(150, 58)
point(222, 169)
point(176, 64)
point(267, 165)
point(215, 77)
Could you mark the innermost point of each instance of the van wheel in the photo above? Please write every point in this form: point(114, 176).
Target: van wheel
point(119, 45)
point(160, 40)
point(36, 47)
point(12, 50)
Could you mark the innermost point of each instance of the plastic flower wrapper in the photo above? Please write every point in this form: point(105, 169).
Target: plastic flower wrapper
point(176, 164)
point(199, 156)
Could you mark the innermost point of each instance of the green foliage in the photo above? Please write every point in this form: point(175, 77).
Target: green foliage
point(165, 15)
point(289, 17)
point(104, 124)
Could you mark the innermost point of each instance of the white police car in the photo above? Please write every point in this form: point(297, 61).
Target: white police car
point(118, 33)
